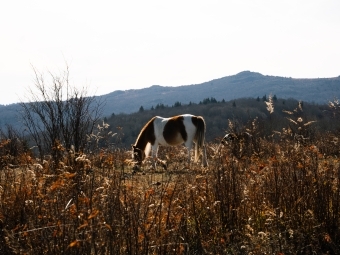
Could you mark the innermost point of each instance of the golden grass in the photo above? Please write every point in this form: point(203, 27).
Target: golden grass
point(278, 198)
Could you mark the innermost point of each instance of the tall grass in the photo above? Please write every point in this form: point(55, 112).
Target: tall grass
point(282, 198)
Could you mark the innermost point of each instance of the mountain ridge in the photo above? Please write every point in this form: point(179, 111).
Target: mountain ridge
point(242, 85)
point(245, 84)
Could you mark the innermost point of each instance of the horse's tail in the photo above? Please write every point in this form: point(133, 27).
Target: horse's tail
point(199, 136)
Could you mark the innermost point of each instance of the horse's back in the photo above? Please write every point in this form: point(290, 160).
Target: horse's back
point(174, 130)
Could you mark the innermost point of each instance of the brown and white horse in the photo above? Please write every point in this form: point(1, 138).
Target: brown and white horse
point(181, 129)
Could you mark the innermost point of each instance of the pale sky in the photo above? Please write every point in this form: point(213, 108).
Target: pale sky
point(121, 45)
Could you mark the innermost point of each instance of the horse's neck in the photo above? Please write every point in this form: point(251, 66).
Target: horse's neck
point(144, 145)
point(144, 138)
point(142, 142)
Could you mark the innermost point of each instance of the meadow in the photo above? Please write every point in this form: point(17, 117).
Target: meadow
point(273, 195)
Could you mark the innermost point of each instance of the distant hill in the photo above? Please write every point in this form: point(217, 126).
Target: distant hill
point(242, 85)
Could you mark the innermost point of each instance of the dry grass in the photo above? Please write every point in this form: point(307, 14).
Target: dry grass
point(278, 198)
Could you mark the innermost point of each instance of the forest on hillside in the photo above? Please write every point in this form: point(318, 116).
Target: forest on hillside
point(218, 115)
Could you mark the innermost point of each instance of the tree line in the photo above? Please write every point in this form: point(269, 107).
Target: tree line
point(242, 111)
point(57, 117)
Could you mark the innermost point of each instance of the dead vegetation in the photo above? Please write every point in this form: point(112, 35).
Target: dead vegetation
point(259, 195)
point(281, 199)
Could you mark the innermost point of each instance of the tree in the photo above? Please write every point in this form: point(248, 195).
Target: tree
point(177, 104)
point(213, 100)
point(57, 115)
point(141, 109)
point(208, 100)
point(160, 106)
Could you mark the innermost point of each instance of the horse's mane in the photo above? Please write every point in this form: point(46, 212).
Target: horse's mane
point(148, 127)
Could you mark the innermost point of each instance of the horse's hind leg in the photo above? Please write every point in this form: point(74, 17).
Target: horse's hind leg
point(189, 156)
point(198, 152)
point(204, 156)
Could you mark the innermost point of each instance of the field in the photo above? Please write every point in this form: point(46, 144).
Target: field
point(262, 196)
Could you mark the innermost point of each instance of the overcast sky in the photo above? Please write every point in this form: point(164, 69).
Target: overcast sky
point(120, 45)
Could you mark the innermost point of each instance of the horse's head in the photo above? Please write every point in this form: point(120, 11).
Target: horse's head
point(138, 155)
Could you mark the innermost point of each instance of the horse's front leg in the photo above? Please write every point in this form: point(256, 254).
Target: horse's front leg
point(154, 156)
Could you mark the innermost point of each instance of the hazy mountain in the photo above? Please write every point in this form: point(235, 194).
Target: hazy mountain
point(242, 85)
